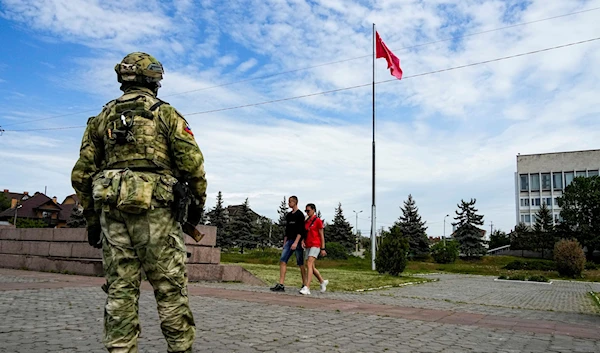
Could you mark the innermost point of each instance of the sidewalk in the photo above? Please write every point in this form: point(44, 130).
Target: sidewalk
point(48, 312)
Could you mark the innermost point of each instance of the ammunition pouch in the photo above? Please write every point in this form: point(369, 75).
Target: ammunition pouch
point(105, 188)
point(131, 191)
point(136, 191)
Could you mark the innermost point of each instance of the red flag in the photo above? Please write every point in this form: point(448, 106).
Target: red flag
point(382, 51)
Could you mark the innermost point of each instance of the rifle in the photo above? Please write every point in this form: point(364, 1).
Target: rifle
point(182, 200)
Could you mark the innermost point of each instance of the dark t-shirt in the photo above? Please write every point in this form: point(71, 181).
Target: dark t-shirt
point(294, 224)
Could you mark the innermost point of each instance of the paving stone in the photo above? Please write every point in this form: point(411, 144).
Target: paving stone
point(69, 319)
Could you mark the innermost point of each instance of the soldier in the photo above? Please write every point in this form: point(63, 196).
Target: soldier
point(133, 156)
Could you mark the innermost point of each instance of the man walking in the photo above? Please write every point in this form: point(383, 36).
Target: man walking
point(133, 156)
point(294, 230)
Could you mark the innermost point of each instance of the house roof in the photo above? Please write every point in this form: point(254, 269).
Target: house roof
point(482, 231)
point(72, 197)
point(14, 195)
point(28, 207)
point(234, 210)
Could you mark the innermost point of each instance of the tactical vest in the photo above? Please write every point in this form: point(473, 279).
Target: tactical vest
point(131, 139)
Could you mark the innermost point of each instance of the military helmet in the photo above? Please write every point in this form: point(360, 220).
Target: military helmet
point(139, 67)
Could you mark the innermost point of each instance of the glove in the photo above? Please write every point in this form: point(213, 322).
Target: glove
point(93, 234)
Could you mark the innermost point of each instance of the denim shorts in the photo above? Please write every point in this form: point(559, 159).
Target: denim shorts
point(287, 253)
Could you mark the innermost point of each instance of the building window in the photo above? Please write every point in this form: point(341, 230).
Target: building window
point(524, 202)
point(592, 173)
point(568, 178)
point(548, 201)
point(527, 218)
point(580, 173)
point(557, 181)
point(556, 202)
point(534, 179)
point(524, 182)
point(535, 201)
point(546, 181)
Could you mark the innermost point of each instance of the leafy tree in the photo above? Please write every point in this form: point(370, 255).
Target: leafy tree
point(340, 231)
point(413, 228)
point(218, 217)
point(498, 238)
point(76, 219)
point(243, 228)
point(4, 202)
point(336, 252)
point(363, 242)
point(445, 252)
point(580, 212)
point(543, 229)
point(265, 232)
point(392, 254)
point(468, 235)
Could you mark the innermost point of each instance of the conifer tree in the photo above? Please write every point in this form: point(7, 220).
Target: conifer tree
point(469, 236)
point(340, 231)
point(413, 228)
point(218, 217)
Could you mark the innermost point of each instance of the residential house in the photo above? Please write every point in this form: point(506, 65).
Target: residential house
point(36, 207)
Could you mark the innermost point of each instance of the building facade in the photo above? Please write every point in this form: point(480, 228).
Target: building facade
point(541, 178)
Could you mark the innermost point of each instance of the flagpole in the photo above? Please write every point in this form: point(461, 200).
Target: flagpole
point(373, 166)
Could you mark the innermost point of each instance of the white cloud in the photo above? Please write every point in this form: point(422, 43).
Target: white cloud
point(441, 137)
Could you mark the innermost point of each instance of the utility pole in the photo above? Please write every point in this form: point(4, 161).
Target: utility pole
point(445, 229)
point(356, 228)
point(491, 228)
point(16, 209)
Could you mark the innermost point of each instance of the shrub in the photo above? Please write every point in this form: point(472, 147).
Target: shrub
point(392, 255)
point(591, 266)
point(502, 277)
point(445, 254)
point(538, 278)
point(336, 251)
point(518, 277)
point(538, 265)
point(569, 257)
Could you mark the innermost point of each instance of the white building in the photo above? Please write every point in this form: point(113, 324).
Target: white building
point(541, 178)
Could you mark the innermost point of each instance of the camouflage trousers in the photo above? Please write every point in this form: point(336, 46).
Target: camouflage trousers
point(152, 241)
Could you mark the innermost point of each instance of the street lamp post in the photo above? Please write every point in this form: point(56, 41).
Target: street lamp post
point(445, 229)
point(356, 228)
point(16, 209)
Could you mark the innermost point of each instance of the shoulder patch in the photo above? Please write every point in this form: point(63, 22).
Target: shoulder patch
point(187, 128)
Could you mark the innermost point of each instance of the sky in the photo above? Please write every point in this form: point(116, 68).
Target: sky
point(442, 137)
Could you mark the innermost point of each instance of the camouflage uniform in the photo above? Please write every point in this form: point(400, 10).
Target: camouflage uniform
point(131, 155)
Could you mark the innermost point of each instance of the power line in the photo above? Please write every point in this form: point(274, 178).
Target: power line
point(363, 85)
point(404, 78)
point(333, 62)
point(397, 49)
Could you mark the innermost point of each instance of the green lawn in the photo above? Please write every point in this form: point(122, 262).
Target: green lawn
point(492, 266)
point(339, 279)
point(344, 275)
point(355, 273)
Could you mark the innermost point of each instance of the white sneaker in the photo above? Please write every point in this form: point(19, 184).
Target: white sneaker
point(305, 291)
point(324, 286)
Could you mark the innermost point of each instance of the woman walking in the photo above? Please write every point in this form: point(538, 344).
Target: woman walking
point(315, 246)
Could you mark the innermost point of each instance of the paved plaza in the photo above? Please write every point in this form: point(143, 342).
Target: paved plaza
point(46, 312)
